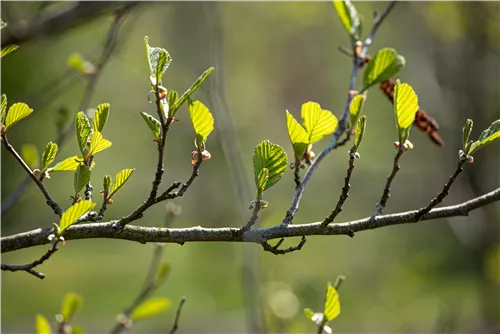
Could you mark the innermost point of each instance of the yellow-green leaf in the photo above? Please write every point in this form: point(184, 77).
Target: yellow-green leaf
point(48, 155)
point(360, 131)
point(80, 64)
point(262, 179)
point(17, 112)
point(466, 130)
point(71, 303)
point(154, 56)
point(82, 130)
point(405, 108)
point(77, 330)
point(101, 117)
point(81, 178)
point(153, 124)
point(150, 308)
point(384, 65)
point(4, 108)
point(298, 135)
point(349, 17)
point(355, 108)
point(8, 49)
point(73, 213)
point(272, 157)
point(332, 304)
point(98, 143)
point(107, 182)
point(190, 91)
point(317, 122)
point(120, 180)
point(42, 325)
point(203, 122)
point(491, 134)
point(68, 164)
point(29, 153)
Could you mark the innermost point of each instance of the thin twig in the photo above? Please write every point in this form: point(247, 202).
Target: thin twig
point(175, 326)
point(440, 197)
point(276, 251)
point(387, 189)
point(343, 195)
point(253, 219)
point(296, 174)
point(29, 267)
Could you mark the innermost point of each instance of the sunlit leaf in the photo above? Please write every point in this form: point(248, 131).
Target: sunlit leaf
point(349, 17)
point(308, 313)
point(273, 158)
point(74, 212)
point(97, 143)
point(153, 56)
point(48, 155)
point(192, 89)
point(82, 130)
point(101, 117)
point(150, 308)
point(68, 164)
point(42, 325)
point(360, 131)
point(317, 122)
point(120, 180)
point(163, 63)
point(81, 178)
point(355, 108)
point(71, 303)
point(298, 135)
point(262, 179)
point(80, 64)
point(332, 304)
point(29, 153)
point(405, 108)
point(153, 124)
point(384, 65)
point(466, 133)
point(17, 112)
point(203, 122)
point(107, 182)
point(8, 49)
point(172, 97)
point(491, 134)
point(4, 108)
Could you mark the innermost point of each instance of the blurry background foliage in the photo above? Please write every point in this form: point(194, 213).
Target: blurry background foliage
point(434, 276)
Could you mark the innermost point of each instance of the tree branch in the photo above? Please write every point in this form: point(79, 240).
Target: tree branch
point(224, 234)
point(387, 189)
point(29, 267)
point(175, 326)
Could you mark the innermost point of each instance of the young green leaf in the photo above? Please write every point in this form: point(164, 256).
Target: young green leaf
point(273, 158)
point(150, 308)
point(154, 55)
point(317, 122)
point(74, 212)
point(4, 109)
point(82, 130)
point(349, 17)
point(8, 49)
point(153, 124)
point(120, 180)
point(491, 134)
point(332, 304)
point(42, 325)
point(68, 164)
point(80, 64)
point(17, 112)
point(101, 117)
point(172, 98)
point(81, 178)
point(309, 313)
point(97, 143)
point(106, 184)
point(203, 123)
point(191, 89)
point(467, 129)
point(163, 63)
point(162, 272)
point(355, 108)
point(71, 303)
point(29, 153)
point(405, 108)
point(48, 155)
point(384, 65)
point(262, 179)
point(360, 131)
point(298, 136)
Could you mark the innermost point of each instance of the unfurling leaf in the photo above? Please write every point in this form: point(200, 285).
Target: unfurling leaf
point(68, 164)
point(405, 108)
point(48, 155)
point(466, 130)
point(73, 213)
point(17, 112)
point(71, 303)
point(332, 304)
point(317, 122)
point(355, 108)
point(191, 90)
point(298, 136)
point(171, 99)
point(153, 124)
point(163, 63)
point(271, 157)
point(101, 117)
point(29, 153)
point(4, 109)
point(491, 134)
point(120, 180)
point(360, 131)
point(81, 178)
point(80, 64)
point(203, 123)
point(82, 130)
point(42, 325)
point(384, 65)
point(150, 308)
point(157, 56)
point(8, 49)
point(97, 143)
point(349, 17)
point(106, 184)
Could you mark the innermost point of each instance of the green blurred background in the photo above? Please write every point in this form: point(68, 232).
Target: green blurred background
point(434, 277)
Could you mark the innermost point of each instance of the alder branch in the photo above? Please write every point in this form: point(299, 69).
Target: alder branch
point(29, 267)
point(175, 326)
point(225, 234)
point(387, 189)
